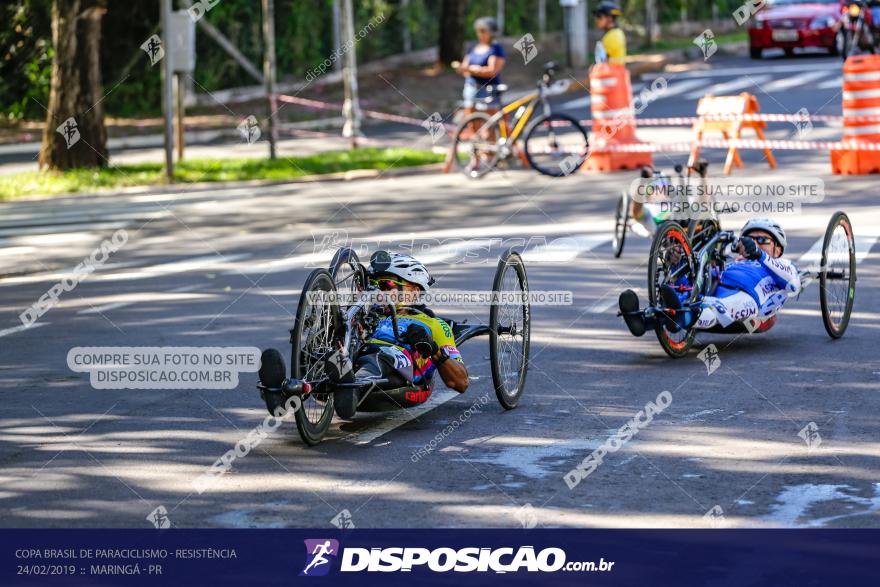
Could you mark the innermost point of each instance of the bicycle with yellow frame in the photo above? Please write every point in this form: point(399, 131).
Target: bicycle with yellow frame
point(554, 144)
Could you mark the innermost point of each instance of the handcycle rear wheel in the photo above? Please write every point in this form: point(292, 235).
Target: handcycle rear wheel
point(555, 144)
point(475, 147)
point(837, 275)
point(312, 337)
point(510, 326)
point(621, 219)
point(671, 263)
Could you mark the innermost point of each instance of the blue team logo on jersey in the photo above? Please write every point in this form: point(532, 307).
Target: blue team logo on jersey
point(320, 554)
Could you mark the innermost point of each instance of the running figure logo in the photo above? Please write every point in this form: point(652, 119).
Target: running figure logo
point(70, 131)
point(317, 553)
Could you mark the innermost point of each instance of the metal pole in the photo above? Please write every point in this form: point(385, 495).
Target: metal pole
point(179, 90)
point(168, 90)
point(407, 34)
point(351, 109)
point(542, 18)
point(337, 42)
point(500, 17)
point(269, 70)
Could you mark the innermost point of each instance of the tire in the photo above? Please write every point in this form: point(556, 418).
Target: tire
point(621, 220)
point(755, 52)
point(837, 275)
point(475, 147)
point(312, 336)
point(671, 251)
point(563, 158)
point(510, 326)
point(349, 275)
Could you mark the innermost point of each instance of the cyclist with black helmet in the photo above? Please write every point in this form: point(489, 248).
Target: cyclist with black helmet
point(755, 285)
point(611, 48)
point(482, 65)
point(423, 344)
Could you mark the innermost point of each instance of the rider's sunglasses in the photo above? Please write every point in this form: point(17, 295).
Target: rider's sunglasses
point(763, 240)
point(386, 284)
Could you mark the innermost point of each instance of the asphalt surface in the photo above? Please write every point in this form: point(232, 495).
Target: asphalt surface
point(224, 266)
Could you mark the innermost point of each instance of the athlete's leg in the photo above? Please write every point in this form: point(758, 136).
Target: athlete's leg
point(724, 311)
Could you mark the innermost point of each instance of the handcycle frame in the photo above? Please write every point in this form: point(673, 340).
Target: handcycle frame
point(354, 325)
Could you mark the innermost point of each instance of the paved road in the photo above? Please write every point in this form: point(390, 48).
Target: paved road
point(224, 267)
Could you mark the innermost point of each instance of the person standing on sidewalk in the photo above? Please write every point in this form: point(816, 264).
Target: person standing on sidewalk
point(611, 48)
point(482, 65)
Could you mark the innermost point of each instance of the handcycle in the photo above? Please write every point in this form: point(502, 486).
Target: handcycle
point(656, 179)
point(554, 144)
point(323, 325)
point(693, 265)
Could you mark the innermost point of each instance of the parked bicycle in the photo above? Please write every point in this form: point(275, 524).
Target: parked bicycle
point(554, 144)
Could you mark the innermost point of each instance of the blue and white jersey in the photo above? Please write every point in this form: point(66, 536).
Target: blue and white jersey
point(767, 280)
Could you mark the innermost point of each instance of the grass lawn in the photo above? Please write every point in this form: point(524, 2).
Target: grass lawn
point(37, 183)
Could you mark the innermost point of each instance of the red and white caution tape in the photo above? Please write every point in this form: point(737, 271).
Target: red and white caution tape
point(738, 144)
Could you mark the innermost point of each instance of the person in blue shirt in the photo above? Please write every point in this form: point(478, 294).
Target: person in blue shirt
point(482, 65)
point(755, 285)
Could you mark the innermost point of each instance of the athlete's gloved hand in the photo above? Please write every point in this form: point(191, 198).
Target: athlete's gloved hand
point(748, 248)
point(419, 339)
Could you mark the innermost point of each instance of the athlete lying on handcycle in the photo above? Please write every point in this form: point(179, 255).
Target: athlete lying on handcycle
point(423, 345)
point(754, 286)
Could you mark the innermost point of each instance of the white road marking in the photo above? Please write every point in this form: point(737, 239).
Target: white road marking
point(565, 248)
point(15, 329)
point(731, 86)
point(797, 81)
point(835, 83)
point(813, 257)
point(605, 304)
point(677, 87)
point(795, 502)
point(739, 71)
point(400, 418)
point(137, 298)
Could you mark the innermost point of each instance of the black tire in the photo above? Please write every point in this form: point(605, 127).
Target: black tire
point(475, 146)
point(621, 220)
point(671, 257)
point(510, 324)
point(312, 336)
point(272, 374)
point(755, 52)
point(564, 159)
point(349, 275)
point(837, 275)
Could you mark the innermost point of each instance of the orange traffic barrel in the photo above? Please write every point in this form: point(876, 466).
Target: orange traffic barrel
point(861, 98)
point(614, 121)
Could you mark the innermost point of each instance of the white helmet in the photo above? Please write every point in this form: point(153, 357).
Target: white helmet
point(766, 225)
point(403, 266)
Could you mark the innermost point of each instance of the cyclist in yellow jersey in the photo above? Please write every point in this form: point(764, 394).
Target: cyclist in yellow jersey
point(612, 47)
point(420, 346)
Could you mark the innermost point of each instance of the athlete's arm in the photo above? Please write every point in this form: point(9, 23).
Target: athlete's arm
point(452, 371)
point(489, 70)
point(783, 271)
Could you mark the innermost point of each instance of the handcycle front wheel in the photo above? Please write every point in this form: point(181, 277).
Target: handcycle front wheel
point(621, 220)
point(510, 325)
point(671, 263)
point(556, 144)
point(475, 146)
point(837, 275)
point(313, 335)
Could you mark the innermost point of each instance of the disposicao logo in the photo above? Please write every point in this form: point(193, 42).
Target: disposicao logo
point(320, 553)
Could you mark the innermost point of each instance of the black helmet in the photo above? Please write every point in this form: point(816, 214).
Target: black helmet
point(607, 9)
point(488, 23)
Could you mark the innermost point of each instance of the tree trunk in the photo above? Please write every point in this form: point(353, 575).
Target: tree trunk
point(76, 90)
point(451, 42)
point(651, 20)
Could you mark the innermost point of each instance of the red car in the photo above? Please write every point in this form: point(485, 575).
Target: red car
point(788, 24)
